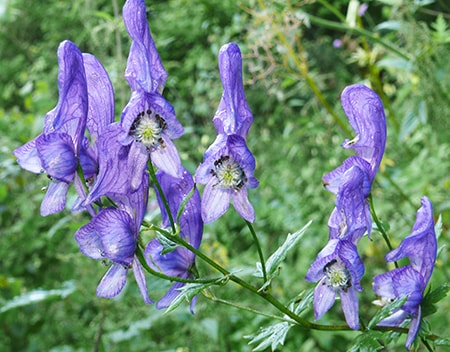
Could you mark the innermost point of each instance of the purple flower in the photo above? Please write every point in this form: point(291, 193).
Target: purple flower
point(337, 43)
point(227, 170)
point(411, 280)
point(365, 112)
point(120, 170)
point(362, 9)
point(57, 150)
point(148, 121)
point(350, 218)
point(338, 269)
point(100, 116)
point(112, 236)
point(181, 261)
point(233, 115)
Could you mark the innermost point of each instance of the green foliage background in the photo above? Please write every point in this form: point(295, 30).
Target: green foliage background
point(47, 288)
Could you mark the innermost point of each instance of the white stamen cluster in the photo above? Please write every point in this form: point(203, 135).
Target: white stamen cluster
point(337, 275)
point(148, 128)
point(229, 173)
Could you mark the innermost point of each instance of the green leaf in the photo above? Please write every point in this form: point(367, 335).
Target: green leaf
point(272, 336)
point(188, 292)
point(274, 261)
point(441, 34)
point(367, 342)
point(431, 298)
point(39, 295)
point(305, 301)
point(386, 311)
point(167, 243)
point(442, 342)
point(184, 202)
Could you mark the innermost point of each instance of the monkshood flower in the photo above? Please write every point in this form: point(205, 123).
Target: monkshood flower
point(233, 115)
point(411, 280)
point(351, 218)
point(364, 110)
point(148, 121)
point(57, 150)
point(227, 170)
point(181, 261)
point(112, 236)
point(338, 269)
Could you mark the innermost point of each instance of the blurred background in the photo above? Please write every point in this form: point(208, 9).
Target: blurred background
point(298, 56)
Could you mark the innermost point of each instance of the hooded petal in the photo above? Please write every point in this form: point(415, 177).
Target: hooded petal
point(144, 67)
point(365, 112)
point(233, 115)
point(112, 282)
point(421, 245)
point(69, 115)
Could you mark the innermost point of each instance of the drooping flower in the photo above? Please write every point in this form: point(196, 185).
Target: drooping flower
point(57, 150)
point(411, 280)
point(228, 165)
point(112, 236)
point(338, 268)
point(365, 112)
point(351, 218)
point(179, 262)
point(148, 121)
point(228, 171)
point(233, 115)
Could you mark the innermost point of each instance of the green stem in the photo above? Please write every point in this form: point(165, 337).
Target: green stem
point(143, 262)
point(161, 194)
point(213, 298)
point(380, 225)
point(260, 253)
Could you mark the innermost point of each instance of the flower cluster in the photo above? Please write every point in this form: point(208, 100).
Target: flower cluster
point(228, 165)
point(107, 161)
point(338, 267)
point(113, 165)
point(410, 280)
